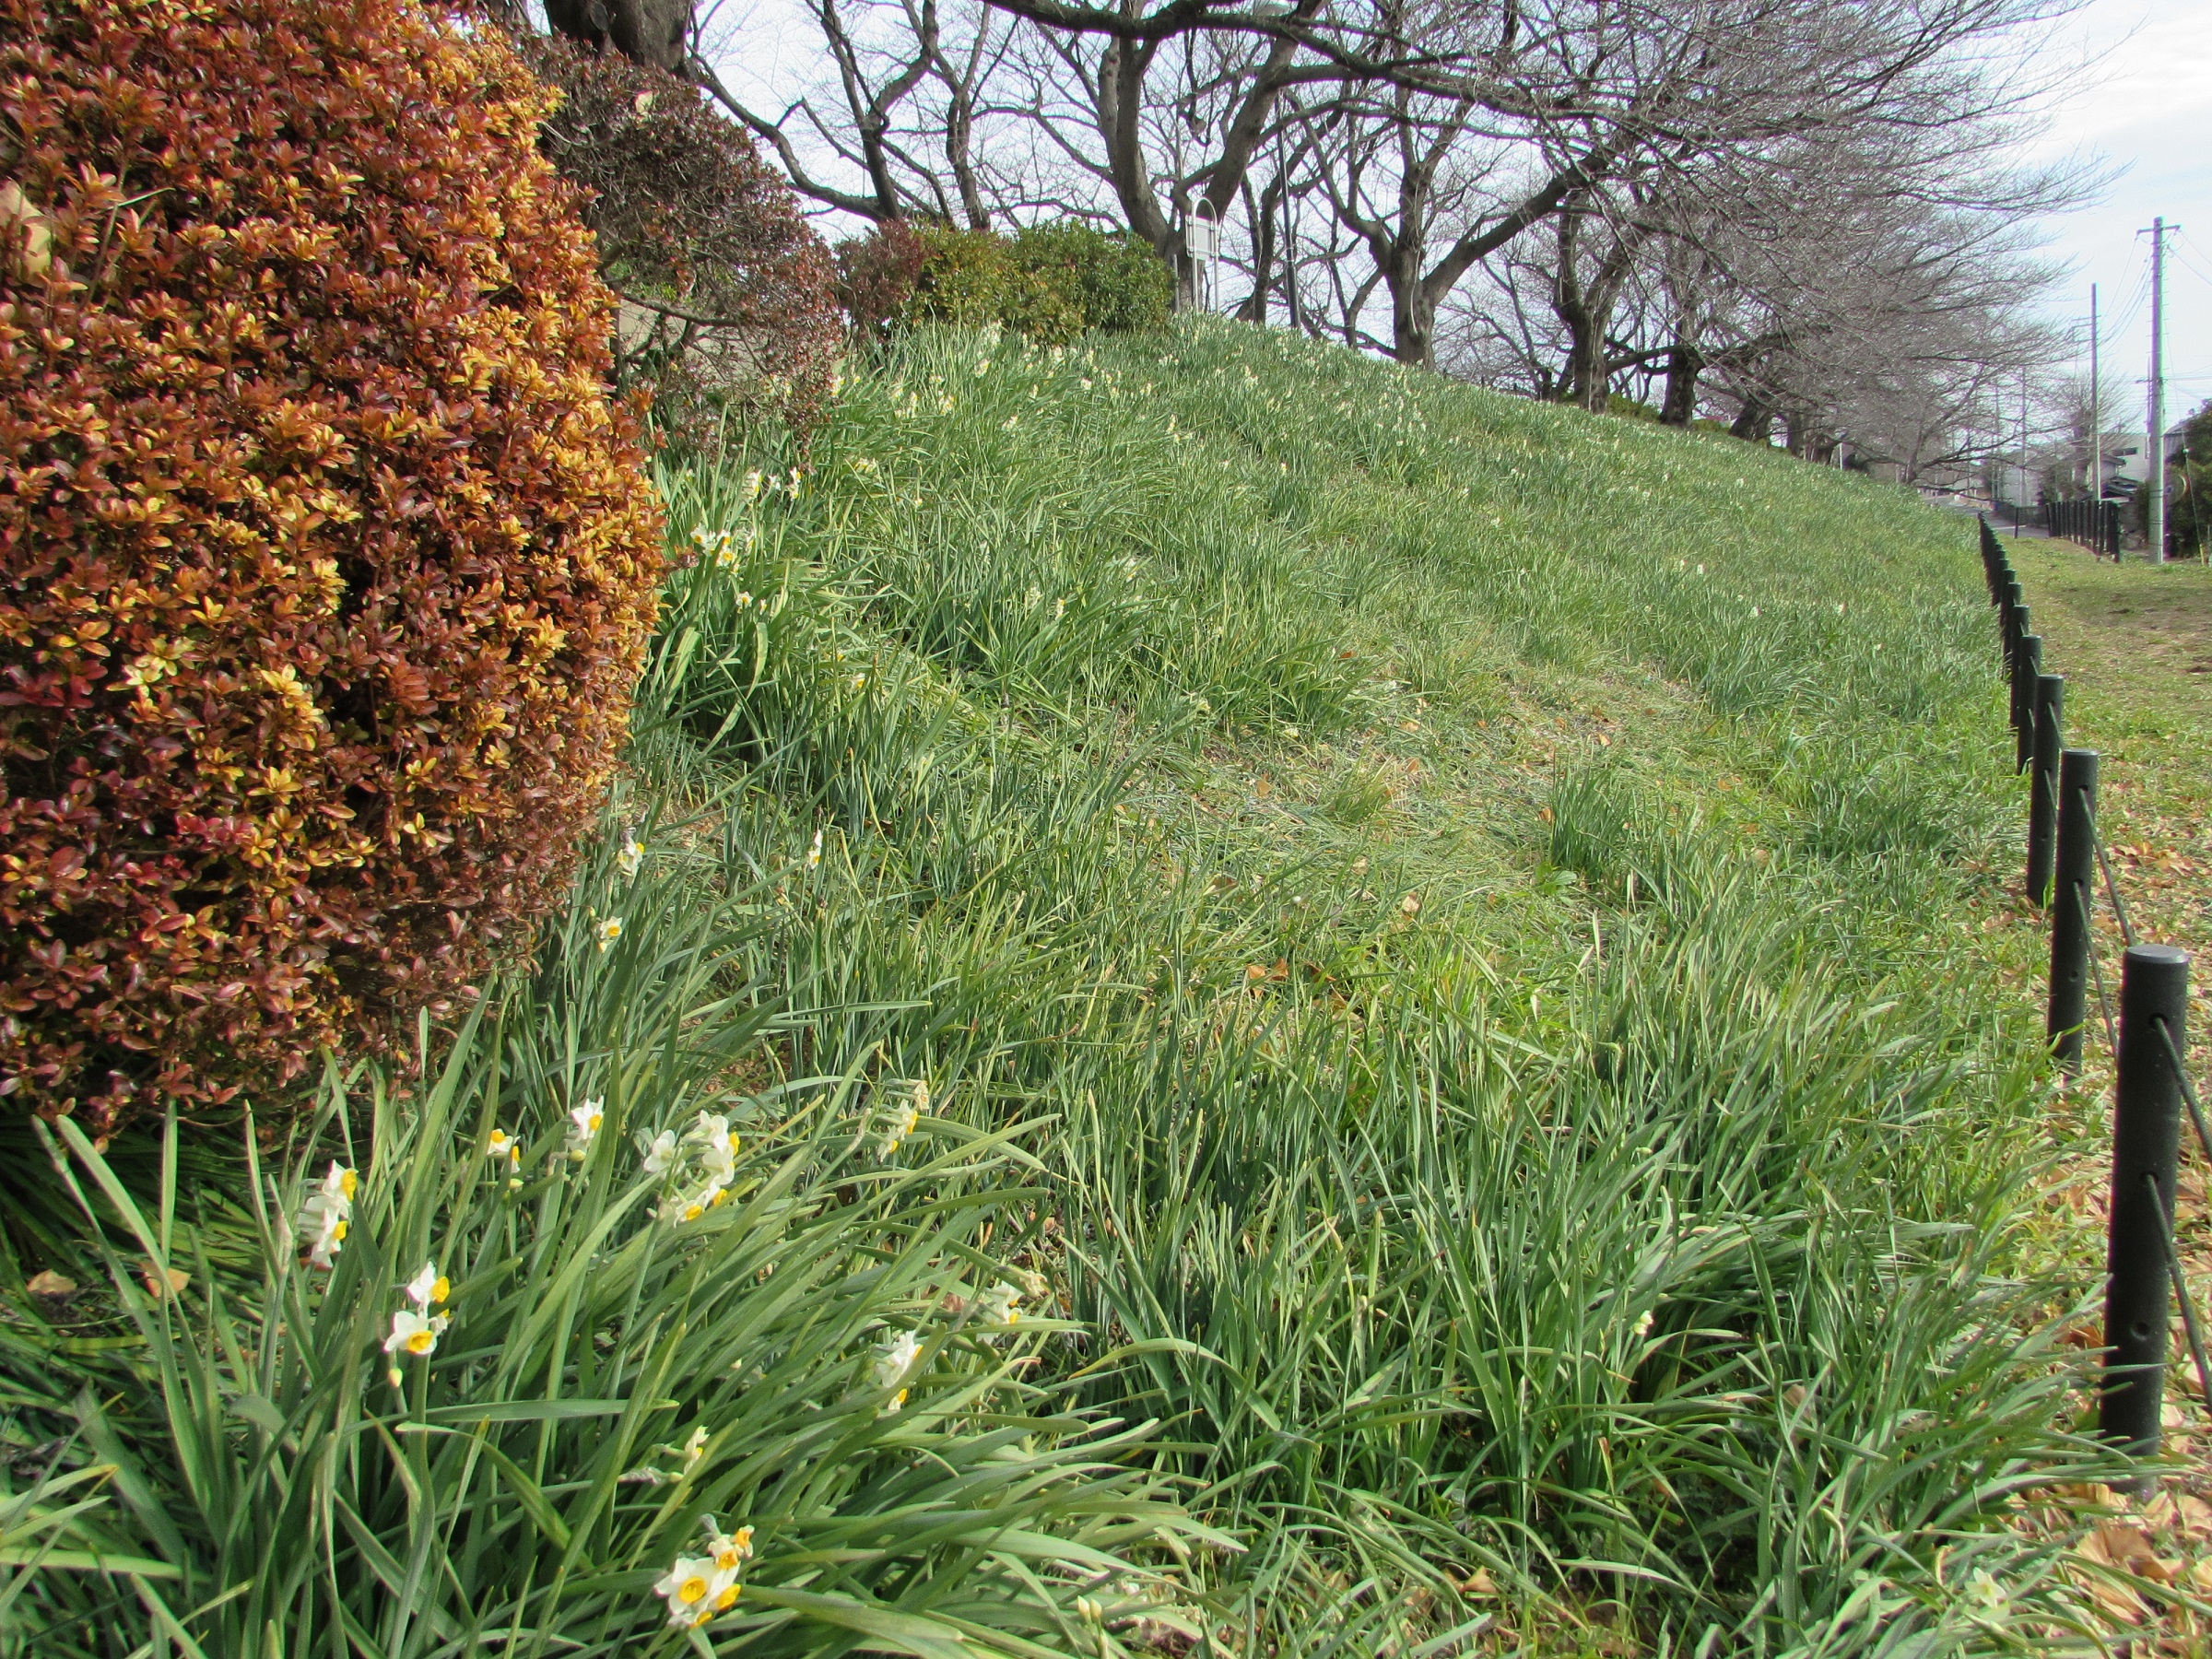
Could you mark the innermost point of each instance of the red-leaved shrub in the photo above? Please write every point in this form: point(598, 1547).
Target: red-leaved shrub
point(325, 562)
point(876, 275)
point(727, 293)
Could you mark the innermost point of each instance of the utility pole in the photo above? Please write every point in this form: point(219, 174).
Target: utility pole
point(2154, 478)
point(2096, 415)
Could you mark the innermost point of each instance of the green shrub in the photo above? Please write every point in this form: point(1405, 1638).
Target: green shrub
point(1049, 283)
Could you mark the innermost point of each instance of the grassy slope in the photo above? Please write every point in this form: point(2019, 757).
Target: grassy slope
point(1497, 906)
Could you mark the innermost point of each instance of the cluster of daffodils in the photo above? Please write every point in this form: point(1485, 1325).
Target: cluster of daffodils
point(698, 1165)
point(700, 1586)
point(896, 1122)
point(416, 1329)
point(327, 1214)
point(725, 547)
point(758, 483)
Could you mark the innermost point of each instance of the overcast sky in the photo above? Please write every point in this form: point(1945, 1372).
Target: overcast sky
point(2146, 108)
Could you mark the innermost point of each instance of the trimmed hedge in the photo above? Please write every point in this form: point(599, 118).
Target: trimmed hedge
point(325, 561)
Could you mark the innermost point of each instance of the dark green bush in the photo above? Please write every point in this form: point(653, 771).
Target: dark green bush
point(1049, 283)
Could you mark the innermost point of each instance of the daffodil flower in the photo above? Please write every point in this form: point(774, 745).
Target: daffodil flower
point(609, 931)
point(504, 1145)
point(900, 1124)
point(584, 1121)
point(1003, 1306)
point(630, 858)
point(426, 1287)
point(415, 1333)
point(330, 1234)
point(660, 1153)
point(718, 1163)
point(893, 1361)
point(731, 1550)
point(1986, 1598)
point(814, 854)
point(695, 1590)
point(328, 1215)
point(695, 1448)
point(713, 1129)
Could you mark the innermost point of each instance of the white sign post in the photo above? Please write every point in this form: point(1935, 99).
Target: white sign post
point(1202, 240)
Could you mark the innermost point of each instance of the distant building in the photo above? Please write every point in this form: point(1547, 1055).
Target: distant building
point(2126, 460)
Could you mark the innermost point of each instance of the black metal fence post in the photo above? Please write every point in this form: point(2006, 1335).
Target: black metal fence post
point(2071, 937)
point(2146, 1124)
point(2028, 666)
point(2043, 787)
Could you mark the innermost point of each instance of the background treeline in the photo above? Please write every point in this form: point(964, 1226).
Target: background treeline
point(1797, 219)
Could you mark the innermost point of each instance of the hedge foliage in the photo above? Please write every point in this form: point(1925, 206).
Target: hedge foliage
point(325, 561)
point(1049, 283)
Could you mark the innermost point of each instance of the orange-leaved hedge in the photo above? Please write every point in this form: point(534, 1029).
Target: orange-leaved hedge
point(325, 561)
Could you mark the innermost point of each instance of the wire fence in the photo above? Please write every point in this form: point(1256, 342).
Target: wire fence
point(2147, 1034)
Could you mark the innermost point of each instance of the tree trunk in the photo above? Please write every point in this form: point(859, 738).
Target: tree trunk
point(1254, 309)
point(1685, 363)
point(657, 32)
point(1754, 422)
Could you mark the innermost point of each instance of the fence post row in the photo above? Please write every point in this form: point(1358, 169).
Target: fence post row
point(2143, 1261)
point(2070, 936)
point(2094, 524)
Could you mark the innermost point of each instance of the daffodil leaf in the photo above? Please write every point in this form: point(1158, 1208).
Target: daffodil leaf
point(526, 1411)
point(899, 1632)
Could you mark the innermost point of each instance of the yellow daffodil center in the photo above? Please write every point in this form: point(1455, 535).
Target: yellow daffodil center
point(420, 1342)
point(728, 1597)
point(441, 1289)
point(902, 1399)
point(338, 1229)
point(596, 1119)
point(692, 1212)
point(720, 1194)
point(692, 1589)
point(348, 1183)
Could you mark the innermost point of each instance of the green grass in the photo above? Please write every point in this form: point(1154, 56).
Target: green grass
point(1446, 931)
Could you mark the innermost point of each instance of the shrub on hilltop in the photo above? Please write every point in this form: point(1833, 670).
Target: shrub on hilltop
point(1048, 282)
point(325, 560)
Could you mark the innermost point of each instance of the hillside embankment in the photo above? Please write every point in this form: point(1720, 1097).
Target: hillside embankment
point(1505, 920)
